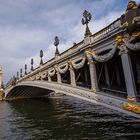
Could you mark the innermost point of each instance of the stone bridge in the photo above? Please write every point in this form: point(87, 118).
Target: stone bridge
point(103, 68)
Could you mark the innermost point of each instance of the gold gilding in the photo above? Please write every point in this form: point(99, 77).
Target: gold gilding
point(131, 99)
point(125, 24)
point(89, 51)
point(93, 89)
point(119, 39)
point(131, 107)
point(136, 34)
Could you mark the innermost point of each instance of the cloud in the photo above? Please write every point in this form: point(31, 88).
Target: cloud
point(28, 26)
point(14, 40)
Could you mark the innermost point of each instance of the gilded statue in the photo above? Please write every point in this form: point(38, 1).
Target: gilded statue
point(131, 21)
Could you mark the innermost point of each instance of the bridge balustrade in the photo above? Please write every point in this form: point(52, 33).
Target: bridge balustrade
point(107, 30)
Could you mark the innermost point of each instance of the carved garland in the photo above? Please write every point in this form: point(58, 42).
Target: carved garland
point(104, 57)
point(38, 77)
point(44, 75)
point(80, 64)
point(52, 72)
point(131, 46)
point(96, 57)
point(124, 44)
point(62, 69)
point(32, 78)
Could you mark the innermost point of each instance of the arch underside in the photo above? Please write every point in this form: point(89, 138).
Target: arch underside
point(27, 91)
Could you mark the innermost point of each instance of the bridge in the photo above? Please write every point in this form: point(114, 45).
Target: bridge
point(103, 68)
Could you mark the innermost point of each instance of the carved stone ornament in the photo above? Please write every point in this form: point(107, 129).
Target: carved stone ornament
point(44, 75)
point(62, 69)
point(93, 89)
point(132, 46)
point(80, 64)
point(131, 99)
point(131, 107)
point(119, 40)
point(102, 58)
point(70, 64)
point(131, 21)
point(52, 72)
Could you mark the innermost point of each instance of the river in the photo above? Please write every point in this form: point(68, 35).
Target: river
point(64, 118)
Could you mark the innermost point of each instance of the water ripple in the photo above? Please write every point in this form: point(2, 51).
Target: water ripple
point(64, 118)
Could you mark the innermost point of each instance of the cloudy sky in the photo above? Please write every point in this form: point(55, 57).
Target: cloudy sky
point(27, 26)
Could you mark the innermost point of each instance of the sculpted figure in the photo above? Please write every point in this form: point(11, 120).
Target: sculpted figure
point(131, 21)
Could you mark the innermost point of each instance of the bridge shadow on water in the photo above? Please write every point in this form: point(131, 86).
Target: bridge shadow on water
point(64, 118)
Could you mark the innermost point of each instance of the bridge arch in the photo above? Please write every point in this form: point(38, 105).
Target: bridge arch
point(27, 91)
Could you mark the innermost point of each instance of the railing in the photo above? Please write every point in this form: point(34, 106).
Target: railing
point(105, 31)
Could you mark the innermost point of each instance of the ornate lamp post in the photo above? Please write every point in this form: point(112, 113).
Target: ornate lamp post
point(41, 55)
point(87, 17)
point(32, 62)
point(25, 69)
point(20, 72)
point(56, 43)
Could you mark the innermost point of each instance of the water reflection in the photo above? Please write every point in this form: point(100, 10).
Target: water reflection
point(64, 118)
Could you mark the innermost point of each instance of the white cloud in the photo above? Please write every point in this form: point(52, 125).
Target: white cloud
point(26, 27)
point(104, 21)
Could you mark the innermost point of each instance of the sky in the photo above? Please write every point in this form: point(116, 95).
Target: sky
point(28, 26)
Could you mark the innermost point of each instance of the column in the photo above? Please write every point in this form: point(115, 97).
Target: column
point(72, 76)
point(128, 74)
point(93, 75)
point(59, 77)
point(49, 78)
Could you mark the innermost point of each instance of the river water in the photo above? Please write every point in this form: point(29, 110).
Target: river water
point(64, 118)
